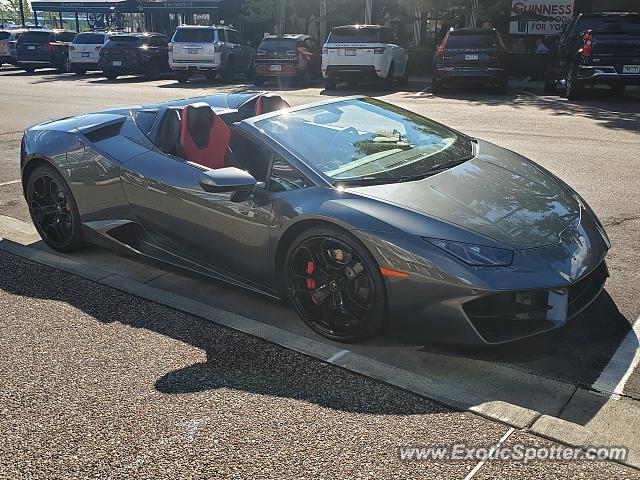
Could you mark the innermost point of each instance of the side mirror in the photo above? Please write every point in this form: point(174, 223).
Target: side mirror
point(228, 179)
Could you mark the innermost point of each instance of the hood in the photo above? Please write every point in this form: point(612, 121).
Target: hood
point(498, 194)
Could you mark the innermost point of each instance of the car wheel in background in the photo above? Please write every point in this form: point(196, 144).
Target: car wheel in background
point(387, 83)
point(79, 70)
point(329, 84)
point(503, 86)
point(436, 87)
point(182, 76)
point(111, 75)
point(29, 69)
point(153, 73)
point(335, 285)
point(228, 74)
point(258, 81)
point(53, 210)
point(573, 87)
point(67, 66)
point(618, 89)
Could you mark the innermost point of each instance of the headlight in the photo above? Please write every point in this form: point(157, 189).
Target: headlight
point(476, 255)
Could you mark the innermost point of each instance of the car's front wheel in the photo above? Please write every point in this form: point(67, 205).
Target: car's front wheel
point(573, 86)
point(335, 285)
point(53, 210)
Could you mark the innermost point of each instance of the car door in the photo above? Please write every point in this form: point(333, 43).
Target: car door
point(226, 233)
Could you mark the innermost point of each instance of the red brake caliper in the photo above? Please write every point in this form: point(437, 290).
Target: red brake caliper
point(311, 283)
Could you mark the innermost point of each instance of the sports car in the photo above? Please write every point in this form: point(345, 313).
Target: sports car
point(364, 215)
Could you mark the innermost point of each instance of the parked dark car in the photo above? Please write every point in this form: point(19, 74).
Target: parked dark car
point(44, 49)
point(294, 56)
point(135, 54)
point(471, 56)
point(596, 48)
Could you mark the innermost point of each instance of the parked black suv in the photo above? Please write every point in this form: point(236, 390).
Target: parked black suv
point(44, 49)
point(468, 56)
point(135, 54)
point(596, 48)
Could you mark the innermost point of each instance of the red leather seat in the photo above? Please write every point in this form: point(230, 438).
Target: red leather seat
point(270, 103)
point(204, 137)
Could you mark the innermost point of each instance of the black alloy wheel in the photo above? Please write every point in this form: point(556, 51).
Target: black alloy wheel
point(335, 285)
point(573, 87)
point(53, 210)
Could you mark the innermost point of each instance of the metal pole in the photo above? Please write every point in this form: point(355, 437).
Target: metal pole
point(77, 23)
point(368, 9)
point(323, 21)
point(22, 14)
point(35, 17)
point(60, 16)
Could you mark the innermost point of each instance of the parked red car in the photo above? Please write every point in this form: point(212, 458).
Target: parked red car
point(294, 56)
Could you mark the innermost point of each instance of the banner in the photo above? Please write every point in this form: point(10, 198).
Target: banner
point(539, 17)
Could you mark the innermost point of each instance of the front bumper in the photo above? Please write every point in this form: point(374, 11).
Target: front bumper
point(444, 300)
point(606, 75)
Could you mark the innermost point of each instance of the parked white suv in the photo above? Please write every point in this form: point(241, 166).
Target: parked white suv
point(211, 50)
point(363, 52)
point(84, 51)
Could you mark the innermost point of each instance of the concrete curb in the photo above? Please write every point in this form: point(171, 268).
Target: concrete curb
point(455, 396)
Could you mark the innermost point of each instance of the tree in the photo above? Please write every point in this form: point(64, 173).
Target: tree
point(10, 9)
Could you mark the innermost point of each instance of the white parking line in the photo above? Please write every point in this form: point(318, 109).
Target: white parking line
point(2, 184)
point(489, 453)
point(423, 91)
point(621, 365)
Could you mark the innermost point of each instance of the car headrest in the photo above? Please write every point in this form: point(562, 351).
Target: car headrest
point(268, 103)
point(167, 134)
point(199, 122)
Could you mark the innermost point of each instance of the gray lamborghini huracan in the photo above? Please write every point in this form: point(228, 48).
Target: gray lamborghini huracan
point(362, 214)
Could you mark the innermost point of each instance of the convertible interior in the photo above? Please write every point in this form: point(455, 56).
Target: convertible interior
point(202, 134)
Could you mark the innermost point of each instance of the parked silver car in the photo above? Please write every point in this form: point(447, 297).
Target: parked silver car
point(8, 39)
point(211, 50)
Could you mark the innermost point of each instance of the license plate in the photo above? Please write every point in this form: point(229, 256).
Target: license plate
point(631, 69)
point(275, 68)
point(471, 56)
point(31, 47)
point(85, 54)
point(117, 63)
point(351, 52)
point(192, 51)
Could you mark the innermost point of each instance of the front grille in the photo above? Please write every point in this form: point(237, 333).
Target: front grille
point(587, 289)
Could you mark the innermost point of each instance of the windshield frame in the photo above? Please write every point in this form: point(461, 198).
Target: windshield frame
point(313, 171)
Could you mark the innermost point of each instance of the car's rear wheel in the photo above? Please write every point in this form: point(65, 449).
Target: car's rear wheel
point(329, 84)
point(182, 77)
point(387, 83)
point(573, 86)
point(335, 285)
point(53, 210)
point(503, 86)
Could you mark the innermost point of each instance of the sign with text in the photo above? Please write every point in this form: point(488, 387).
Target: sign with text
point(539, 17)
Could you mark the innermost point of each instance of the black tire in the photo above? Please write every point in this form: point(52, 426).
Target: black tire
point(436, 87)
point(153, 73)
point(351, 296)
point(618, 89)
point(111, 75)
point(228, 74)
point(258, 81)
point(329, 84)
point(211, 76)
point(503, 86)
point(56, 219)
point(29, 69)
point(573, 87)
point(305, 79)
point(387, 83)
point(182, 77)
point(549, 86)
point(80, 71)
point(404, 80)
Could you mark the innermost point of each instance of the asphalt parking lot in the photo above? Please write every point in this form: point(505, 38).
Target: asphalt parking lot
point(592, 145)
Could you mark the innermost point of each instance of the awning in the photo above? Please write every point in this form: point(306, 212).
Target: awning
point(98, 6)
point(171, 6)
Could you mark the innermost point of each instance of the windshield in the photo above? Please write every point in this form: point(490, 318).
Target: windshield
point(627, 23)
point(472, 41)
point(278, 44)
point(367, 138)
point(195, 35)
point(353, 35)
point(89, 39)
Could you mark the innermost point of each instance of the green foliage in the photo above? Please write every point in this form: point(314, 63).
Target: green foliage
point(10, 9)
point(267, 10)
